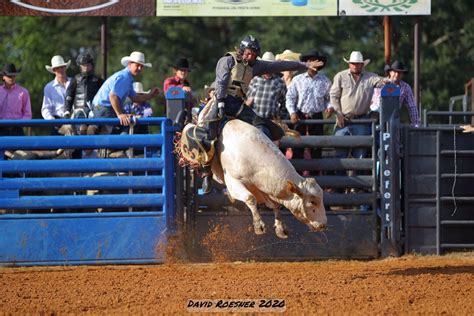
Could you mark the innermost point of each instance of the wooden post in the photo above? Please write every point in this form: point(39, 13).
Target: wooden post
point(416, 66)
point(470, 83)
point(387, 24)
point(103, 46)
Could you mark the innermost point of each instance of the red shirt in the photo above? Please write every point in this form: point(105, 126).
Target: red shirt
point(176, 82)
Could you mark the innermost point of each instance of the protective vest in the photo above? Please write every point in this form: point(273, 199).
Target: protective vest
point(82, 91)
point(240, 77)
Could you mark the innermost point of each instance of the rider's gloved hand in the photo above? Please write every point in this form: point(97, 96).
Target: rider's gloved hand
point(220, 109)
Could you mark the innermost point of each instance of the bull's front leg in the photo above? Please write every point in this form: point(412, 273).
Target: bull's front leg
point(239, 192)
point(280, 230)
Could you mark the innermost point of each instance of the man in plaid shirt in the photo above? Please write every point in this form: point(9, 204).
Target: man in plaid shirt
point(267, 92)
point(396, 72)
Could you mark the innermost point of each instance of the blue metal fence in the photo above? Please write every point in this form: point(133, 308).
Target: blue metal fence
point(75, 232)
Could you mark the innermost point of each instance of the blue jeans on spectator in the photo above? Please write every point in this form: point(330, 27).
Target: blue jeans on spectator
point(101, 111)
point(352, 130)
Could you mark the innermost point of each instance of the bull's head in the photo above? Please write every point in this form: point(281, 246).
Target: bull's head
point(307, 204)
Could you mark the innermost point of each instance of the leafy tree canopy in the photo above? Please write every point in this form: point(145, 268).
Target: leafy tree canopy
point(447, 52)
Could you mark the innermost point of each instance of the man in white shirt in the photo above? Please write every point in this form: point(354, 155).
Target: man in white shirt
point(307, 98)
point(55, 91)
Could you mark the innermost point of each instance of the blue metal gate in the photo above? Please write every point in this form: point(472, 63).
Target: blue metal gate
point(40, 226)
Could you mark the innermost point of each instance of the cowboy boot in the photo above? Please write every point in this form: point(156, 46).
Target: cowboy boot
point(212, 128)
point(206, 179)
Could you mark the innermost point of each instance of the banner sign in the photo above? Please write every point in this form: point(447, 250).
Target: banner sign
point(384, 7)
point(246, 8)
point(74, 7)
point(183, 8)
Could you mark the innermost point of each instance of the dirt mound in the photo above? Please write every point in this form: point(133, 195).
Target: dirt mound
point(408, 284)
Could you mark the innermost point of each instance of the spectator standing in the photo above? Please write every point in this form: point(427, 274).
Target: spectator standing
point(396, 72)
point(287, 77)
point(307, 98)
point(82, 89)
point(267, 92)
point(54, 98)
point(350, 98)
point(139, 110)
point(109, 100)
point(181, 71)
point(14, 101)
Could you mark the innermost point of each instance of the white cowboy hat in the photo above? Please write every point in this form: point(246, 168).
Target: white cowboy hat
point(135, 57)
point(356, 57)
point(57, 61)
point(268, 56)
point(288, 55)
point(138, 88)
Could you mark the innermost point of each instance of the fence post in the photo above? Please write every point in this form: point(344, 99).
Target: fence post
point(390, 171)
point(169, 174)
point(175, 104)
point(176, 111)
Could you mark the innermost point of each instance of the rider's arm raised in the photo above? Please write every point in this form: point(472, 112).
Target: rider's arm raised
point(263, 66)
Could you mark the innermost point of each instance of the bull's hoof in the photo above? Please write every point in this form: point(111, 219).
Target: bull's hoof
point(281, 233)
point(259, 227)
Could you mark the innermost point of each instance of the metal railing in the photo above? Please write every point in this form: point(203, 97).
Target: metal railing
point(131, 210)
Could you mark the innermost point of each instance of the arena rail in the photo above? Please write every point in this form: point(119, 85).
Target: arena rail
point(128, 223)
point(353, 201)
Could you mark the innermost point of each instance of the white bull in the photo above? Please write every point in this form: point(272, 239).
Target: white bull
point(255, 171)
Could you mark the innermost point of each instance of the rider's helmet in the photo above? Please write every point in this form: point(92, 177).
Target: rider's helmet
point(84, 58)
point(250, 42)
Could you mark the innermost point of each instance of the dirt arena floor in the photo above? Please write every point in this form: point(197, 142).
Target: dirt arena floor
point(410, 284)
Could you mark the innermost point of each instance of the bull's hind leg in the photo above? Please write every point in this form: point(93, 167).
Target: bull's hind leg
point(239, 192)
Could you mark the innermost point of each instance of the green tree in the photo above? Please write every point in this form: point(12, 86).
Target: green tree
point(446, 57)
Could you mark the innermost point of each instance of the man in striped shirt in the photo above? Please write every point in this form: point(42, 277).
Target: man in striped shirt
point(396, 72)
point(267, 92)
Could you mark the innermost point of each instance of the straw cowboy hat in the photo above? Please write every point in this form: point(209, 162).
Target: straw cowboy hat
point(268, 56)
point(135, 57)
point(288, 55)
point(138, 88)
point(396, 66)
point(357, 58)
point(57, 61)
point(10, 70)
